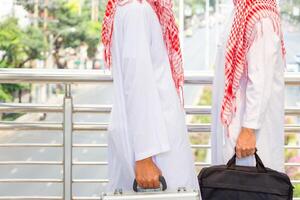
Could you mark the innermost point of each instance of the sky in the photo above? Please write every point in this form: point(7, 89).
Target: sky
point(7, 9)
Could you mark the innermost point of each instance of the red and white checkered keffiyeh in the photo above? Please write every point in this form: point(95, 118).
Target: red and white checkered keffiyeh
point(247, 14)
point(163, 9)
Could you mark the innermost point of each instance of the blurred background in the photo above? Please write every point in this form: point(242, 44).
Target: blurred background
point(65, 34)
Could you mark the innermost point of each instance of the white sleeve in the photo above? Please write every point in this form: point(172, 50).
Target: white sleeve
point(261, 59)
point(144, 111)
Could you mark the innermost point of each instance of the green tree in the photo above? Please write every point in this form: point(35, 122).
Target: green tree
point(18, 48)
point(73, 27)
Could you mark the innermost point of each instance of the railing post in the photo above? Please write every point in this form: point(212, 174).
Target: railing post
point(68, 131)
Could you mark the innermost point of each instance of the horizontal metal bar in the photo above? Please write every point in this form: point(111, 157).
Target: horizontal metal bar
point(292, 164)
point(295, 181)
point(201, 78)
point(191, 110)
point(31, 163)
point(29, 107)
point(92, 108)
point(88, 108)
point(90, 181)
point(206, 78)
point(104, 163)
point(90, 126)
point(198, 110)
point(201, 146)
point(206, 110)
point(202, 164)
point(34, 108)
point(10, 75)
point(292, 147)
point(195, 146)
point(29, 145)
point(90, 145)
point(292, 78)
point(288, 128)
point(23, 75)
point(13, 125)
point(31, 180)
point(292, 128)
point(295, 110)
point(102, 126)
point(30, 198)
point(204, 128)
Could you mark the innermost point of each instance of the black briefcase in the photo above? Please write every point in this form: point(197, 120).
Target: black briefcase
point(231, 182)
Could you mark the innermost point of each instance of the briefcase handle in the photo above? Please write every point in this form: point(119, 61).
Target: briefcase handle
point(162, 181)
point(259, 164)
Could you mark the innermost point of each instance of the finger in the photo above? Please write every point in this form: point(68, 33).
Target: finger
point(142, 183)
point(145, 184)
point(238, 152)
point(244, 153)
point(156, 183)
point(151, 183)
point(249, 151)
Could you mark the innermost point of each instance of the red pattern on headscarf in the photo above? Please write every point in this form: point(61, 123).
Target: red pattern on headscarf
point(247, 14)
point(164, 12)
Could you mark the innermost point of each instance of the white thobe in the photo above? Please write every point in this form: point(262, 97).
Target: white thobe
point(260, 100)
point(147, 117)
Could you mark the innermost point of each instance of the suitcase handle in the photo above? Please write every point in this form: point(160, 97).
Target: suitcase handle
point(259, 164)
point(162, 180)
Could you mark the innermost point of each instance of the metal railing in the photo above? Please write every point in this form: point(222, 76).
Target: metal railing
point(68, 126)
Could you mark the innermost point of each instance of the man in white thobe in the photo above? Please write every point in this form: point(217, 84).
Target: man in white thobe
point(147, 135)
point(257, 119)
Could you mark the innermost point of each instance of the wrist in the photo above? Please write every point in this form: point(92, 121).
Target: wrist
point(248, 130)
point(145, 161)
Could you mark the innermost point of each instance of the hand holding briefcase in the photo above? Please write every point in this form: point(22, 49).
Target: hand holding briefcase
point(231, 182)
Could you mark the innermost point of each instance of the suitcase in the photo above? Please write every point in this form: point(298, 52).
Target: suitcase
point(181, 194)
point(158, 194)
